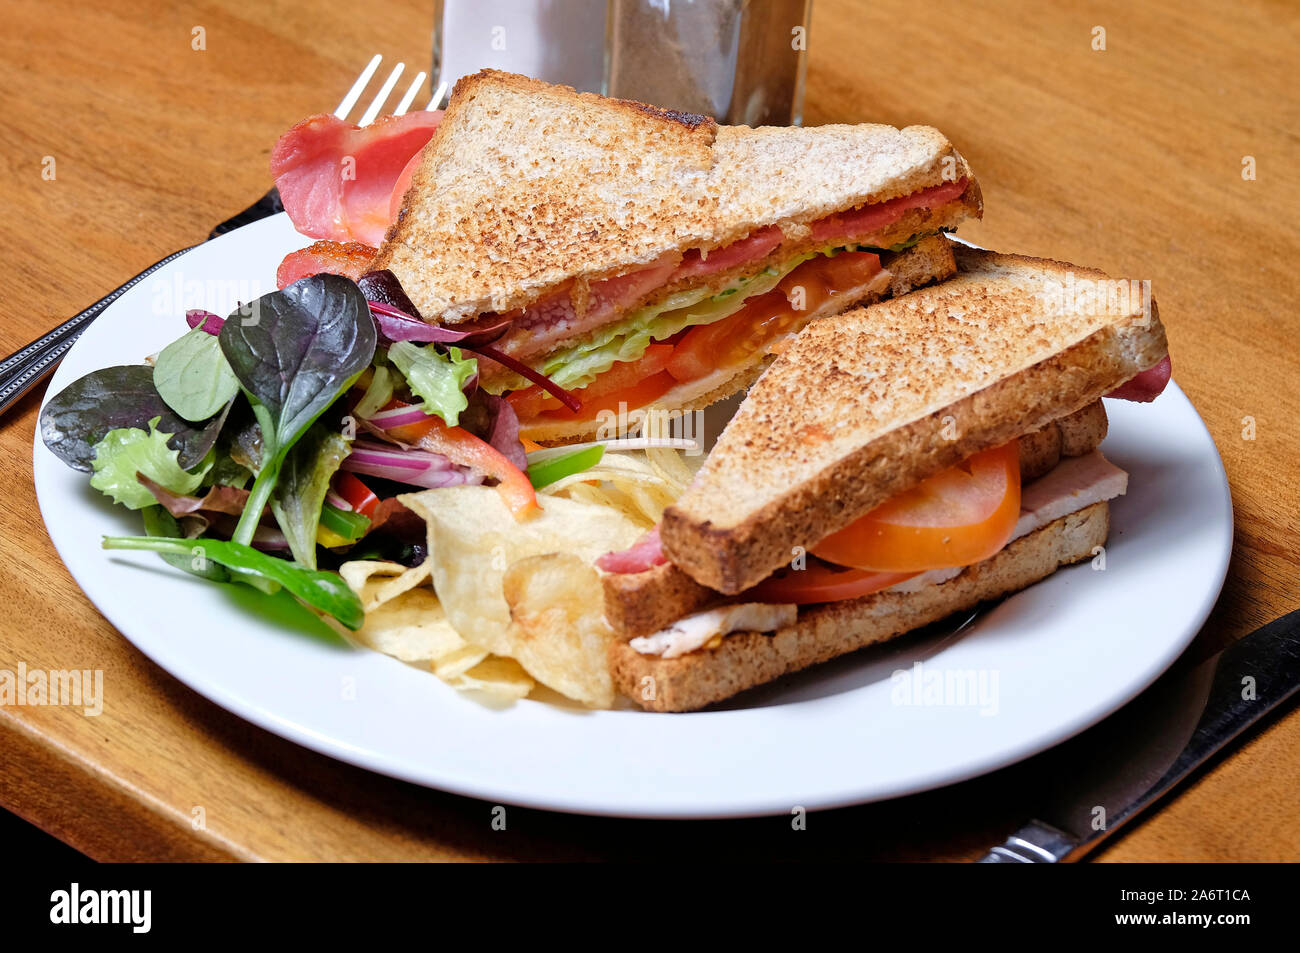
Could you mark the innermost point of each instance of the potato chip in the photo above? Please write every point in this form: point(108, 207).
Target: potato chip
point(502, 678)
point(671, 466)
point(411, 627)
point(610, 496)
point(473, 540)
point(376, 581)
point(409, 624)
point(458, 662)
point(638, 484)
point(558, 626)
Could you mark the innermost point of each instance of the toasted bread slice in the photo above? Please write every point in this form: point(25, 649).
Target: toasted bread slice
point(927, 261)
point(526, 187)
point(644, 602)
point(745, 659)
point(868, 403)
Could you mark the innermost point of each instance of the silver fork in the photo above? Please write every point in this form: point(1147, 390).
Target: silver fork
point(29, 365)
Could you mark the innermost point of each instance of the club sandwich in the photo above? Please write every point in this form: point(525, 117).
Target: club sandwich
point(895, 465)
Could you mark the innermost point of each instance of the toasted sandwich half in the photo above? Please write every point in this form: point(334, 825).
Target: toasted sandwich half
point(645, 256)
point(896, 464)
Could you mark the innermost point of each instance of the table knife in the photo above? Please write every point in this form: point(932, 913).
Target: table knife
point(1101, 780)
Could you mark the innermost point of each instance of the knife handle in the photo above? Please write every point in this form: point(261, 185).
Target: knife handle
point(1035, 843)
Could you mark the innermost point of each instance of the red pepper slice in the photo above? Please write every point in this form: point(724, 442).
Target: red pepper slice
point(461, 447)
point(357, 494)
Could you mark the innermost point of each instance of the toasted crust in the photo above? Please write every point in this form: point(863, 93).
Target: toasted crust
point(746, 659)
point(1081, 432)
point(645, 602)
point(870, 402)
point(525, 186)
point(927, 261)
point(1071, 436)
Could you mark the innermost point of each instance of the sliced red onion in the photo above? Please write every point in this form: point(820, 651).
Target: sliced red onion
point(336, 501)
point(399, 417)
point(198, 318)
point(381, 434)
point(416, 467)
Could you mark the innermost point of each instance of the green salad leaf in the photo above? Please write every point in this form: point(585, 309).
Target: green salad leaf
point(325, 591)
point(193, 377)
point(241, 437)
point(295, 352)
point(226, 471)
point(434, 377)
point(378, 393)
point(80, 415)
point(127, 451)
point(304, 480)
point(158, 522)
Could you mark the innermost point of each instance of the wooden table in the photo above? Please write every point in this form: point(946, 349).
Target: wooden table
point(1129, 159)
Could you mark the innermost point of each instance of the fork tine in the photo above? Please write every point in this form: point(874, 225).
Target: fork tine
point(358, 88)
point(437, 96)
point(405, 104)
point(378, 102)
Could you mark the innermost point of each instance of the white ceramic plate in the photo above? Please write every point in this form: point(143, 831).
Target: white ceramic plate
point(1064, 653)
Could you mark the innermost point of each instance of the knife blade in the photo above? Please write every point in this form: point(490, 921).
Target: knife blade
point(1099, 781)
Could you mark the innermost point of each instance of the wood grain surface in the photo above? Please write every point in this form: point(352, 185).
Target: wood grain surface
point(1129, 159)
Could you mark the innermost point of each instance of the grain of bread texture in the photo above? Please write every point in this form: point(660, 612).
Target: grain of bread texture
point(927, 261)
point(525, 186)
point(868, 403)
point(794, 175)
point(745, 659)
point(643, 603)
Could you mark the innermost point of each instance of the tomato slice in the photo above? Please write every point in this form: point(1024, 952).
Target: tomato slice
point(635, 382)
point(768, 318)
point(356, 493)
point(822, 582)
point(724, 343)
point(640, 395)
point(955, 518)
point(838, 273)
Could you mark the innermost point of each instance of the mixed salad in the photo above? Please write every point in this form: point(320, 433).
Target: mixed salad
point(270, 446)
